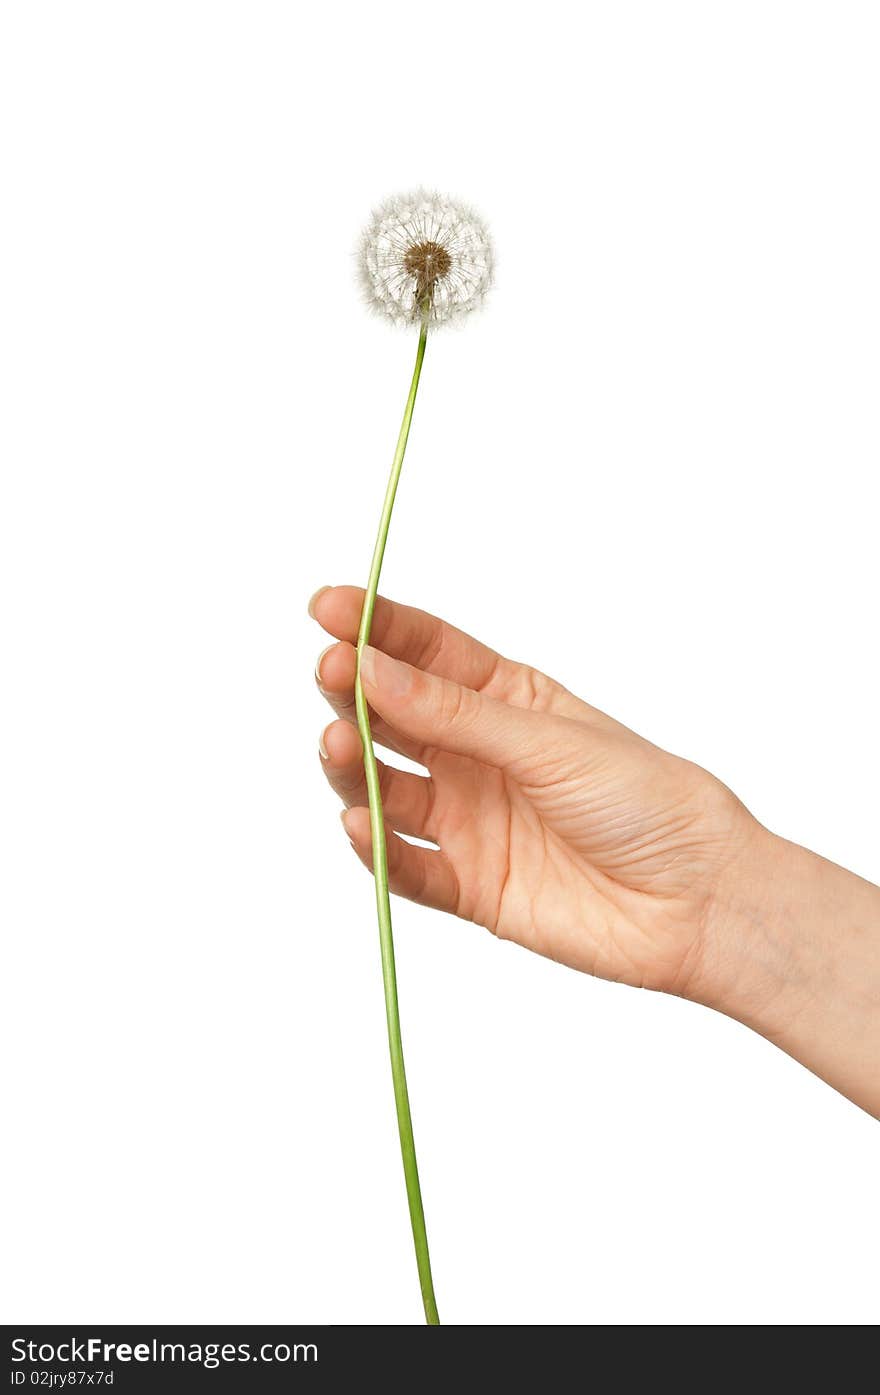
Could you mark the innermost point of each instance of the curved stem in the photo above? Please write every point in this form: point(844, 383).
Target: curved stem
point(380, 867)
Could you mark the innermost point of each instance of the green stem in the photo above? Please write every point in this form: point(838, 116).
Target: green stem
point(380, 867)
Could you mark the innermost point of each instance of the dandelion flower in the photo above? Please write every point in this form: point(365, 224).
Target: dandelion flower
point(425, 254)
point(424, 260)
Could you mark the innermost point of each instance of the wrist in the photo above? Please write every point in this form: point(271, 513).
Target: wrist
point(748, 941)
point(792, 949)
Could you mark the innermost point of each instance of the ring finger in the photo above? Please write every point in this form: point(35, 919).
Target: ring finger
point(407, 799)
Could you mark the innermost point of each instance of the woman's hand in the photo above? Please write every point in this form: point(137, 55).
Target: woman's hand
point(555, 826)
point(559, 828)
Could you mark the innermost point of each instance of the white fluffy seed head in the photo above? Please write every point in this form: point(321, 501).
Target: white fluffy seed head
point(422, 253)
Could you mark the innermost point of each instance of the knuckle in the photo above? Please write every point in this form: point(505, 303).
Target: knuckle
point(432, 646)
point(456, 705)
point(386, 775)
point(535, 690)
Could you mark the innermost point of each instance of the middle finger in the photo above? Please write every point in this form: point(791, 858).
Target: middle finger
point(334, 674)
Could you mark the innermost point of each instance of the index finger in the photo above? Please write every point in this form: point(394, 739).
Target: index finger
point(409, 634)
point(435, 647)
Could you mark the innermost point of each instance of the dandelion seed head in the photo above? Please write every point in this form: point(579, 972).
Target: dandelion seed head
point(423, 253)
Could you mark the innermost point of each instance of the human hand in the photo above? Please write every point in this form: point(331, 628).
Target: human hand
point(555, 826)
point(560, 829)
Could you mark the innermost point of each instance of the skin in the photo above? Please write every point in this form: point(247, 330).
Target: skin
point(558, 828)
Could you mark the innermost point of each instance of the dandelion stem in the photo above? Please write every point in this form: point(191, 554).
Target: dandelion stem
point(380, 865)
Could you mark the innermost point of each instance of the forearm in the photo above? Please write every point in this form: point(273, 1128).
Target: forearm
point(793, 951)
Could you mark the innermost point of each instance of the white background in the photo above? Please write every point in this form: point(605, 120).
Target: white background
point(649, 467)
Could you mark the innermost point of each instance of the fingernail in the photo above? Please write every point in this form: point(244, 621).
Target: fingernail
point(379, 671)
point(322, 745)
point(343, 816)
point(314, 600)
point(321, 657)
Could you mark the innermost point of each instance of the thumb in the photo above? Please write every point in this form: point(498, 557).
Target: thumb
point(436, 712)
